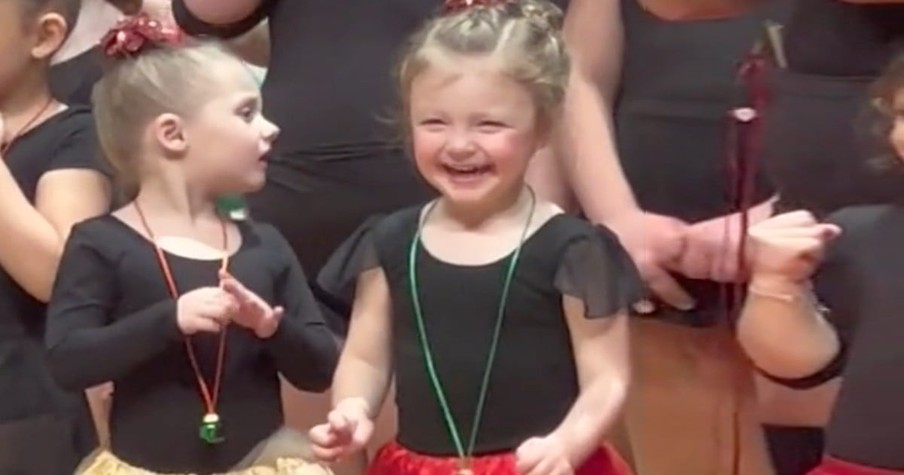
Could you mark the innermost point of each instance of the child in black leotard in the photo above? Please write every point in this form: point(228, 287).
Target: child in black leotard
point(50, 178)
point(501, 318)
point(853, 265)
point(192, 316)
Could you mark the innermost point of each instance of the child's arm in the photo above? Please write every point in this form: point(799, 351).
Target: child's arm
point(33, 236)
point(85, 347)
point(601, 357)
point(781, 327)
point(303, 347)
point(365, 367)
point(783, 332)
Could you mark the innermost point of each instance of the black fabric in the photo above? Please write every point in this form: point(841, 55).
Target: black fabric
point(110, 298)
point(840, 39)
point(72, 81)
point(860, 285)
point(678, 84)
point(818, 139)
point(460, 304)
point(794, 450)
point(27, 391)
point(818, 144)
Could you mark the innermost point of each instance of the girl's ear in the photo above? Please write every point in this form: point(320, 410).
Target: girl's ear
point(169, 133)
point(50, 32)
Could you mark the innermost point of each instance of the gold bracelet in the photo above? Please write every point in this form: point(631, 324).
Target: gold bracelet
point(783, 296)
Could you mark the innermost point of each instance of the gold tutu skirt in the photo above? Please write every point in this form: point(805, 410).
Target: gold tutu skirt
point(285, 453)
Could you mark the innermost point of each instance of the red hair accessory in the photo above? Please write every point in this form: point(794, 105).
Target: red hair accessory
point(455, 6)
point(135, 34)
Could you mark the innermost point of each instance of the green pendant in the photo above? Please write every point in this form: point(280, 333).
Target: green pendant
point(211, 430)
point(233, 206)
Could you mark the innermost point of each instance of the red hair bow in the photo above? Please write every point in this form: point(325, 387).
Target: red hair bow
point(454, 6)
point(135, 34)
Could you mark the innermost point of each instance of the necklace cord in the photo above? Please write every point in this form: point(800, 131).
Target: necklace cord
point(209, 395)
point(438, 390)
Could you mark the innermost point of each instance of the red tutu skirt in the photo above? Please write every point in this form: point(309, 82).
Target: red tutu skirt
point(832, 466)
point(393, 459)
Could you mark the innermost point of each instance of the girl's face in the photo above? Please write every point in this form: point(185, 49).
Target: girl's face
point(474, 131)
point(896, 136)
point(227, 140)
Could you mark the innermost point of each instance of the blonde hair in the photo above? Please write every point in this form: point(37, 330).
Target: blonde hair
point(523, 36)
point(136, 90)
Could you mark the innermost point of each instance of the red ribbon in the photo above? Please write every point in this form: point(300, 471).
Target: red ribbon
point(138, 33)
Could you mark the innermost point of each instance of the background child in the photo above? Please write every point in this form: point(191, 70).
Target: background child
point(50, 178)
point(191, 316)
point(476, 283)
point(858, 278)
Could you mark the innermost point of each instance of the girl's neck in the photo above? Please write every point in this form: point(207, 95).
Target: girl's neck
point(190, 207)
point(20, 106)
point(485, 215)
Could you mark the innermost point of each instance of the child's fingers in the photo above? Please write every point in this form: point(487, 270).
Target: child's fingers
point(322, 435)
point(238, 291)
point(339, 424)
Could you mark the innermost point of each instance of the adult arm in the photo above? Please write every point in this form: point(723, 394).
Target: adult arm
point(594, 33)
point(220, 18)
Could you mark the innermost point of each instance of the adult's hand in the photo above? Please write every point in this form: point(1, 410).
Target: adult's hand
point(712, 248)
point(653, 240)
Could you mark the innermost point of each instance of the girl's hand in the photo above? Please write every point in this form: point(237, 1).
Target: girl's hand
point(347, 430)
point(252, 311)
point(207, 309)
point(789, 246)
point(543, 456)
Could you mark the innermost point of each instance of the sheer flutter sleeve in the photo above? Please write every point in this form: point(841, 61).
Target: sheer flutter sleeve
point(596, 269)
point(357, 254)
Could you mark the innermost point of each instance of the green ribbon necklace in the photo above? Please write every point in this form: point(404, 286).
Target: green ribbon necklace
point(464, 454)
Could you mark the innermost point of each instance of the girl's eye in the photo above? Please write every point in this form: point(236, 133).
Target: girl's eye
point(247, 113)
point(490, 125)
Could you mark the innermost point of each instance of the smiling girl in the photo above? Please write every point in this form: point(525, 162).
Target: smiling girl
point(501, 318)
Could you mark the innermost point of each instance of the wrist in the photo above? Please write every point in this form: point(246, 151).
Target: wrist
point(776, 287)
point(355, 405)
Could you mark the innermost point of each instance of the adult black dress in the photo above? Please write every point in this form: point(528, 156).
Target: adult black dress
point(694, 403)
point(816, 139)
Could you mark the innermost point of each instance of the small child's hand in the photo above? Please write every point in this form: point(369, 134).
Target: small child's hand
point(347, 430)
point(543, 456)
point(789, 246)
point(207, 309)
point(252, 312)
